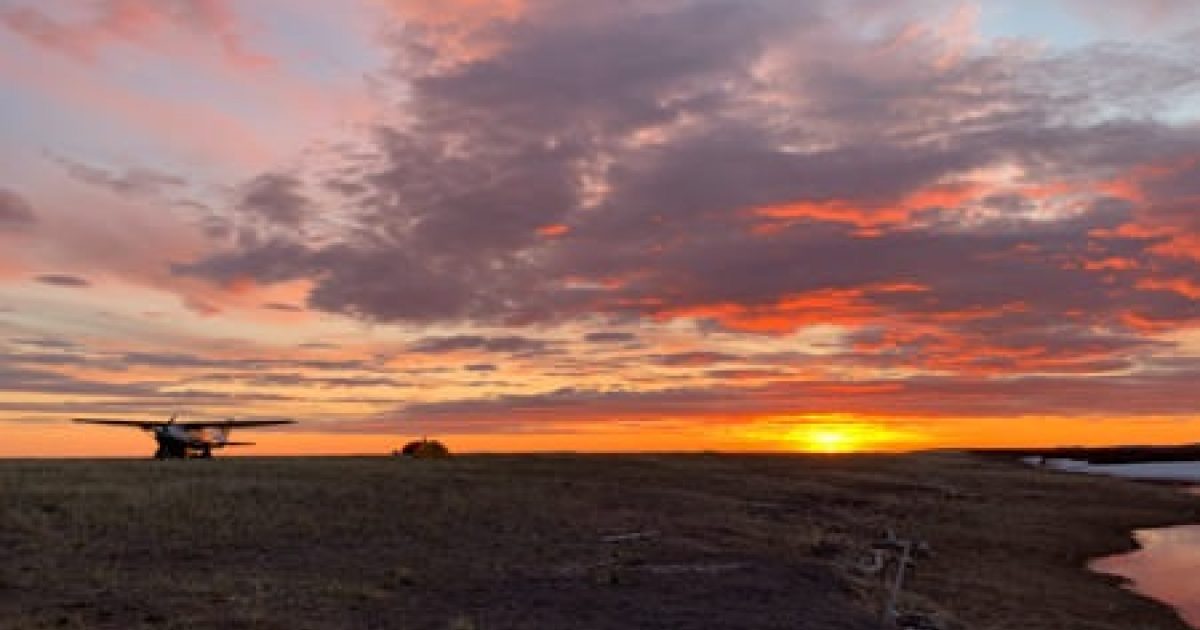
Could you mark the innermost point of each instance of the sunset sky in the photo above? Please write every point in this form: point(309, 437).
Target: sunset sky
point(560, 224)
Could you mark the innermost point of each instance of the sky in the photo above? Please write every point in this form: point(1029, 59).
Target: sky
point(565, 225)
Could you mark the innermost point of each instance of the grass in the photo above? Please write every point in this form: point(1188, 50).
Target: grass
point(498, 542)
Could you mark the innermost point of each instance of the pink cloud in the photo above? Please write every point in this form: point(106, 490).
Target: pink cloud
point(155, 26)
point(242, 106)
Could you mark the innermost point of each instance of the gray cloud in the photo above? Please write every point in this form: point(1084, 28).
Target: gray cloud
point(511, 344)
point(134, 182)
point(136, 396)
point(190, 361)
point(63, 280)
point(47, 343)
point(15, 211)
point(610, 337)
point(44, 358)
point(276, 198)
point(655, 136)
point(293, 379)
point(480, 367)
point(697, 358)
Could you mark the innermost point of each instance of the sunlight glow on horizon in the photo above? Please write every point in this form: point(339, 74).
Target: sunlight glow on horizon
point(824, 433)
point(832, 439)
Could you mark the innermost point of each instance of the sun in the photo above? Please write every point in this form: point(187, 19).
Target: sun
point(832, 433)
point(829, 439)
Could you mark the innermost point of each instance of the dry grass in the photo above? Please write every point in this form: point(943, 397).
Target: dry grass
point(490, 542)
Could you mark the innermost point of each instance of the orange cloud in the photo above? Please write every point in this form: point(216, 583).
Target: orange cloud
point(1112, 263)
point(868, 215)
point(554, 230)
point(458, 27)
point(1189, 287)
point(837, 306)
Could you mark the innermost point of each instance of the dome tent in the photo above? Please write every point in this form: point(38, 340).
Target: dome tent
point(424, 448)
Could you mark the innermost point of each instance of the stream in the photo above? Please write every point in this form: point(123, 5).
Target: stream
point(1165, 568)
point(1166, 565)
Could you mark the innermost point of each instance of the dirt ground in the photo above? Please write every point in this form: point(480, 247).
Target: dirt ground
point(601, 542)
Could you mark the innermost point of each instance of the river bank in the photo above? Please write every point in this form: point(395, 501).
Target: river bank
point(496, 542)
point(1166, 561)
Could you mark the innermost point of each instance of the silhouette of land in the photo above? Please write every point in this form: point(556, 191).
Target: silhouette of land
point(1133, 454)
point(565, 541)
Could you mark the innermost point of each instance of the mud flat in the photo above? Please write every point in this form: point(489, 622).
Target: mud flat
point(675, 542)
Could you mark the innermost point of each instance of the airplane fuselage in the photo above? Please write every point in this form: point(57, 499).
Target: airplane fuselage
point(177, 441)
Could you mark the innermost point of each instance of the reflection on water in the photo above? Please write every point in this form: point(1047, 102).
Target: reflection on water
point(1165, 568)
point(1159, 471)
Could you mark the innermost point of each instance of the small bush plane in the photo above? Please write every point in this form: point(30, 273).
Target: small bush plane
point(180, 440)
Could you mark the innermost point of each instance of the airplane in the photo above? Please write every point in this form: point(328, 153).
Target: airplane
point(180, 440)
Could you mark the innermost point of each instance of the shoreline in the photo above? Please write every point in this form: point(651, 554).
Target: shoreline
point(1046, 527)
point(1134, 569)
point(364, 540)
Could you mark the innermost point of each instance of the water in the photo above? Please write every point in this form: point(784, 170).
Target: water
point(1165, 568)
point(1158, 471)
point(1166, 564)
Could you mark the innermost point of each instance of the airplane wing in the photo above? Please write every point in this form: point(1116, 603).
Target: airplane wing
point(194, 424)
point(140, 424)
point(230, 423)
point(242, 423)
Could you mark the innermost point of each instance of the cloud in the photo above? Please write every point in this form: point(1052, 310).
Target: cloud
point(660, 169)
point(155, 26)
point(44, 358)
point(698, 358)
point(480, 367)
point(134, 182)
point(100, 396)
point(183, 360)
point(286, 308)
point(959, 212)
point(277, 199)
point(14, 378)
point(64, 280)
point(15, 212)
point(928, 397)
point(46, 343)
point(509, 344)
point(603, 337)
point(303, 380)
